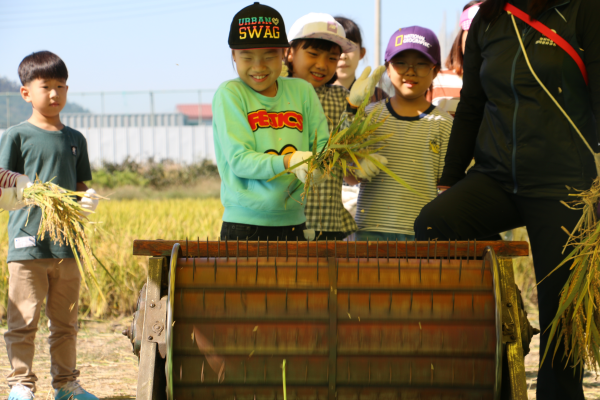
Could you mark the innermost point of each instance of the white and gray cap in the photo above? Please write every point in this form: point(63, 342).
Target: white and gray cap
point(321, 26)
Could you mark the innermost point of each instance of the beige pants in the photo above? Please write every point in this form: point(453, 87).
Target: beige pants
point(30, 282)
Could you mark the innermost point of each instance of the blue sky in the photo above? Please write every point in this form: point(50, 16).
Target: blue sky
point(112, 45)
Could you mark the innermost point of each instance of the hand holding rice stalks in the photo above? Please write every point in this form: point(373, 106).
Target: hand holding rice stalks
point(63, 220)
point(345, 147)
point(577, 320)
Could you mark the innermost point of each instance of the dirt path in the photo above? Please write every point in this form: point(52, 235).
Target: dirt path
point(109, 368)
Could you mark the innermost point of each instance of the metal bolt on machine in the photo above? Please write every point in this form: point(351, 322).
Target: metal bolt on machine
point(353, 320)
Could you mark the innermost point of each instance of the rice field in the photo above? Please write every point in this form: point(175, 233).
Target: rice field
point(119, 223)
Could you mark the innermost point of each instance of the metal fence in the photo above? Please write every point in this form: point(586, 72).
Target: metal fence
point(134, 125)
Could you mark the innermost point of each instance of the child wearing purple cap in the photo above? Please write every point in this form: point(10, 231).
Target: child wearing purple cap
point(417, 147)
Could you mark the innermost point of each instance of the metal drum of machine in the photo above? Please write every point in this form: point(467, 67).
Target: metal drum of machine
point(352, 320)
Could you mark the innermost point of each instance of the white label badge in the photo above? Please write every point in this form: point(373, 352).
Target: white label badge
point(27, 241)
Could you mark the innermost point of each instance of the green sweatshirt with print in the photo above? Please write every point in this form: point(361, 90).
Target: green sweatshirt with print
point(252, 134)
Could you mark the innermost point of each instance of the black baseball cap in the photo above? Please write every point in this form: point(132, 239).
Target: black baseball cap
point(257, 26)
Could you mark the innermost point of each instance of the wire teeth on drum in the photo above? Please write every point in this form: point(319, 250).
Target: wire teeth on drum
point(428, 246)
point(440, 270)
point(286, 249)
point(226, 249)
point(207, 252)
point(367, 249)
point(460, 271)
point(416, 251)
point(420, 280)
point(406, 248)
point(307, 301)
point(187, 249)
point(237, 256)
point(399, 273)
point(432, 302)
point(194, 270)
point(215, 266)
point(267, 249)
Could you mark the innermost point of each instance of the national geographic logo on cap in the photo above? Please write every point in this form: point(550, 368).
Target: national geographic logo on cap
point(257, 26)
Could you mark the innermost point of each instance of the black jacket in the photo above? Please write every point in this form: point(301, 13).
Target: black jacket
point(509, 124)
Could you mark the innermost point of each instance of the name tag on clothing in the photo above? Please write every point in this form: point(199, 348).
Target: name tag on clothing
point(26, 241)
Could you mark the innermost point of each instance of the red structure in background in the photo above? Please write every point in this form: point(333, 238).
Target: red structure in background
point(192, 111)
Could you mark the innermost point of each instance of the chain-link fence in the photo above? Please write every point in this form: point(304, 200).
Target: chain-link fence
point(174, 125)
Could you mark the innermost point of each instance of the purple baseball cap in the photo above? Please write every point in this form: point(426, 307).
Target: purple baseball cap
point(416, 38)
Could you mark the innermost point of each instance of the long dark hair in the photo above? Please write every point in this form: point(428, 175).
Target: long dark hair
point(491, 9)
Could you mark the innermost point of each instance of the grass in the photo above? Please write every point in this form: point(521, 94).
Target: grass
point(121, 223)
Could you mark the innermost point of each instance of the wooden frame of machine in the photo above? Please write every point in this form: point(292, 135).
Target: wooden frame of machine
point(353, 320)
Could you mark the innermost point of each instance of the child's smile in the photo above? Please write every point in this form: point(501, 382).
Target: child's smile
point(259, 69)
point(315, 66)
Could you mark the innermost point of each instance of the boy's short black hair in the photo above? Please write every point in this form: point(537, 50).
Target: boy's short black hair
point(42, 65)
point(352, 30)
point(319, 44)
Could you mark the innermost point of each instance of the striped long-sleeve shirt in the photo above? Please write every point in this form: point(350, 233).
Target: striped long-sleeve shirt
point(415, 152)
point(8, 178)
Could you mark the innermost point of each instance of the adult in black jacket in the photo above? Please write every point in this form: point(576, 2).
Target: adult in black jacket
point(527, 156)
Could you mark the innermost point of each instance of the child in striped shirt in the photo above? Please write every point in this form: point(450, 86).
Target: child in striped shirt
point(417, 147)
point(11, 189)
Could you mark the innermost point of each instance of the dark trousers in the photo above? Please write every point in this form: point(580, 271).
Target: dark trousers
point(234, 231)
point(478, 207)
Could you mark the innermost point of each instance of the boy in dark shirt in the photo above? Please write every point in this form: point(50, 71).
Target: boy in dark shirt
point(42, 146)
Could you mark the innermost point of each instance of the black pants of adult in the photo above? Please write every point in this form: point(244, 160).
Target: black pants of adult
point(477, 207)
point(234, 231)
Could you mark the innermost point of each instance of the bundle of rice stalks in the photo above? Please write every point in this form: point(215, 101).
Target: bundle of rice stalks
point(346, 146)
point(577, 320)
point(63, 220)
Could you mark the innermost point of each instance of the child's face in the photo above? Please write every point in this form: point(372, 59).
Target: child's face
point(346, 67)
point(411, 73)
point(259, 69)
point(47, 96)
point(314, 65)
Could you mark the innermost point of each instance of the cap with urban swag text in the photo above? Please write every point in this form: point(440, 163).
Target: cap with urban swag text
point(416, 38)
point(257, 26)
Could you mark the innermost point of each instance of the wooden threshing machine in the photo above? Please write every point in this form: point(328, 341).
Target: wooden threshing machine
point(353, 320)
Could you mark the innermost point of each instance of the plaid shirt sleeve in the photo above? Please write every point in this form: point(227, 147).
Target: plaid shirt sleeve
point(324, 208)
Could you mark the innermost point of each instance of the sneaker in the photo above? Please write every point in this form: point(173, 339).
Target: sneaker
point(73, 391)
point(20, 392)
